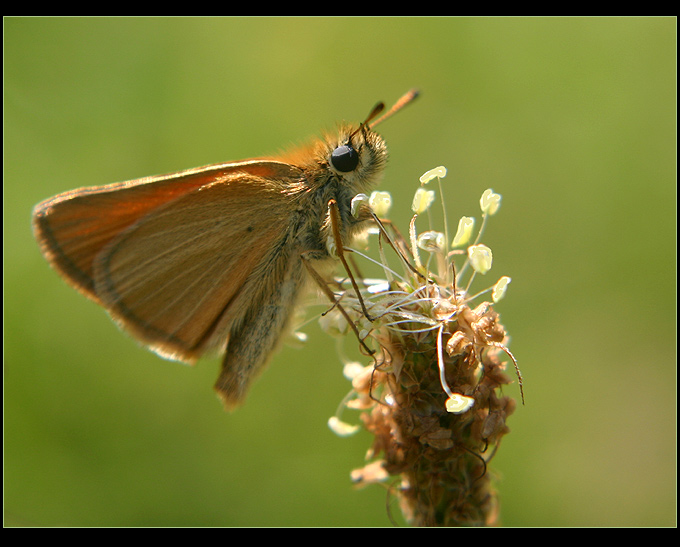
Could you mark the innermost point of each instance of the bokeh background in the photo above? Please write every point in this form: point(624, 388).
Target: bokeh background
point(572, 120)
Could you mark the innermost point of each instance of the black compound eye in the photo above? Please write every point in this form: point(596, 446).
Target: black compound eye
point(344, 158)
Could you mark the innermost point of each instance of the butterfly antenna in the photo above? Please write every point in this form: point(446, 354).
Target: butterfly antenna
point(377, 109)
point(405, 99)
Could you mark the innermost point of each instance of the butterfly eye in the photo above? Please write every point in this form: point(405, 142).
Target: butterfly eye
point(344, 158)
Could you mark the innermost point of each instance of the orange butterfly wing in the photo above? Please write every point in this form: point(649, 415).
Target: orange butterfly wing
point(167, 255)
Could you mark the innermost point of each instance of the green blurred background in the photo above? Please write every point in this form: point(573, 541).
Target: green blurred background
point(572, 120)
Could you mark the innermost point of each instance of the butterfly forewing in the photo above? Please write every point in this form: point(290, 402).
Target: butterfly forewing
point(168, 272)
point(73, 227)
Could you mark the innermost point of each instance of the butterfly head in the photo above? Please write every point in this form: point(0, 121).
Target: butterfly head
point(356, 156)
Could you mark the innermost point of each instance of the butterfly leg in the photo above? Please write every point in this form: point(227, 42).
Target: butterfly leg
point(334, 216)
point(318, 279)
point(399, 247)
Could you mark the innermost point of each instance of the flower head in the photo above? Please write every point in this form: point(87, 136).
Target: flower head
point(430, 394)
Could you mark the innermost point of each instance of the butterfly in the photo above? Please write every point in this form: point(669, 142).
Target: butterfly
point(214, 260)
